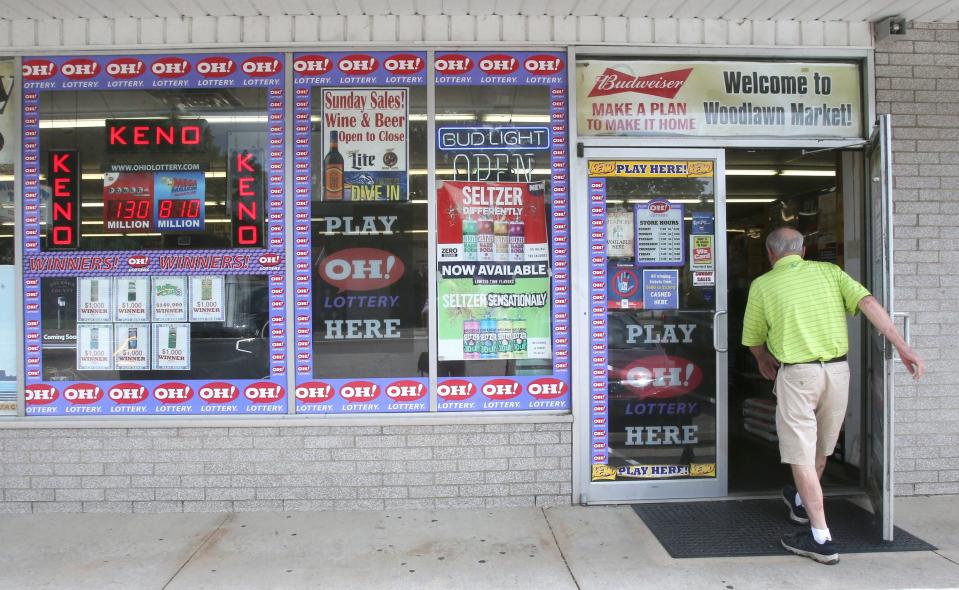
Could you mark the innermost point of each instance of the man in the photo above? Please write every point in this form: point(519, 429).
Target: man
point(795, 326)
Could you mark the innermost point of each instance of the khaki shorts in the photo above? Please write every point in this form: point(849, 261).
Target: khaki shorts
point(811, 403)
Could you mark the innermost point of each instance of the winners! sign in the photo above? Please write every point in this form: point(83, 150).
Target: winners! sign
point(719, 99)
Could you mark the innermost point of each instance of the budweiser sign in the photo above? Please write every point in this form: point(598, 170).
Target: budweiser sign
point(665, 84)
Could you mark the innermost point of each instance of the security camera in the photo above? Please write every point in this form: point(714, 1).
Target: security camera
point(891, 25)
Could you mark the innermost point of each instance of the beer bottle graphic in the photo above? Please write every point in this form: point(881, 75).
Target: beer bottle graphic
point(333, 171)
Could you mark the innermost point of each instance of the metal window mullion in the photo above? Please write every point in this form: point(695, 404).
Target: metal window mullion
point(431, 274)
point(288, 233)
point(13, 106)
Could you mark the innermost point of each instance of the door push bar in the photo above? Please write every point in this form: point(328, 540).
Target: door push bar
point(905, 325)
point(716, 331)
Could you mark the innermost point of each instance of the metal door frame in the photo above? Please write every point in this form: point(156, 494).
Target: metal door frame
point(613, 492)
point(881, 493)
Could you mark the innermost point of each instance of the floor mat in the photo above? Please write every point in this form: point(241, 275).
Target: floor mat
point(736, 528)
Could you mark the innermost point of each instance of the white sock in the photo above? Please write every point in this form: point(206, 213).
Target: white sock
point(821, 535)
point(798, 500)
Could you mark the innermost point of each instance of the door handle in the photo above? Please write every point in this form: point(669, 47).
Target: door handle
point(905, 325)
point(716, 331)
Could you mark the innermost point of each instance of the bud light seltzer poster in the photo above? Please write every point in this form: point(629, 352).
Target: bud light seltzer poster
point(171, 347)
point(131, 350)
point(491, 222)
point(93, 299)
point(206, 299)
point(365, 137)
point(170, 299)
point(132, 299)
point(94, 343)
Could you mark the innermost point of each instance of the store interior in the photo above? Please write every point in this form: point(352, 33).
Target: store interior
point(766, 189)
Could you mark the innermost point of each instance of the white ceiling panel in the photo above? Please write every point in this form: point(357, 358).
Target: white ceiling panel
point(639, 8)
point(735, 10)
point(699, 9)
point(613, 8)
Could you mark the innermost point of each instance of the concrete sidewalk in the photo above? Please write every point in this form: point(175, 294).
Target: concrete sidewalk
point(557, 548)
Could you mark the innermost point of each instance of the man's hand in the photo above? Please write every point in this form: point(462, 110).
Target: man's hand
point(911, 360)
point(768, 365)
point(881, 320)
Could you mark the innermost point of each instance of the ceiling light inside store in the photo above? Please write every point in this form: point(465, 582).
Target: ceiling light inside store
point(757, 200)
point(750, 172)
point(442, 117)
point(75, 123)
point(808, 172)
point(509, 118)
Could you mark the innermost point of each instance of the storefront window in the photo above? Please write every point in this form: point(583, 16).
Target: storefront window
point(361, 233)
point(154, 234)
point(502, 231)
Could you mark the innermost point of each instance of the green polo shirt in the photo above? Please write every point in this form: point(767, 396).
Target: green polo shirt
point(798, 309)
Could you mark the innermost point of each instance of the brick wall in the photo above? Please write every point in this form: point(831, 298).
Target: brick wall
point(917, 81)
point(192, 469)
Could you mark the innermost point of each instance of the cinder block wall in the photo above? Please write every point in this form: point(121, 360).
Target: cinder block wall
point(255, 468)
point(917, 81)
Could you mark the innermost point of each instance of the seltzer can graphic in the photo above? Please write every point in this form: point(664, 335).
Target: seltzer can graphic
point(484, 240)
point(501, 241)
point(517, 241)
point(471, 340)
point(520, 339)
point(504, 339)
point(469, 240)
point(488, 338)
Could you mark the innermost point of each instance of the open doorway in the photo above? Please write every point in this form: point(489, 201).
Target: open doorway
point(767, 189)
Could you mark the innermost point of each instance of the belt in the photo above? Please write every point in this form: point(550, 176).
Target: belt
point(838, 359)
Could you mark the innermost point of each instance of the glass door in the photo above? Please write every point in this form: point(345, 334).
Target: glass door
point(879, 353)
point(657, 301)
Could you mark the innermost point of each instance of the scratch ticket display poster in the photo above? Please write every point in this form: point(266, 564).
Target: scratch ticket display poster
point(207, 302)
point(701, 252)
point(94, 302)
point(171, 347)
point(131, 349)
point(170, 299)
point(132, 299)
point(94, 347)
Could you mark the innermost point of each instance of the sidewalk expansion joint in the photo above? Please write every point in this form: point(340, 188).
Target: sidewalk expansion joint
point(560, 549)
point(207, 540)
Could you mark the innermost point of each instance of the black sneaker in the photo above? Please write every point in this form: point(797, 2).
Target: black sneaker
point(803, 544)
point(797, 513)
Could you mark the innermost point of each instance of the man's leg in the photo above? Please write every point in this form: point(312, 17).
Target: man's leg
point(807, 483)
point(820, 465)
